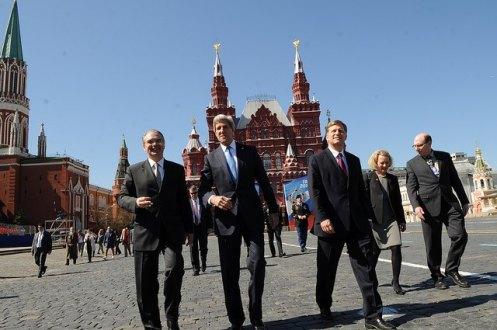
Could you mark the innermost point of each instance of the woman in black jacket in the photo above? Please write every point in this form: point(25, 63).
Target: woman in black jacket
point(388, 218)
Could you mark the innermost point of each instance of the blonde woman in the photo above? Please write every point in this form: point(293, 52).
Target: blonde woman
point(388, 220)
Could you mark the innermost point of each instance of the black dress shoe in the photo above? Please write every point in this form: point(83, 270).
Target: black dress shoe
point(439, 284)
point(282, 255)
point(458, 279)
point(39, 275)
point(196, 272)
point(259, 326)
point(325, 314)
point(378, 323)
point(204, 267)
point(172, 324)
point(397, 288)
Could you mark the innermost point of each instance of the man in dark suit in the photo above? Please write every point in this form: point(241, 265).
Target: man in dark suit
point(42, 245)
point(155, 191)
point(228, 184)
point(431, 176)
point(342, 211)
point(201, 223)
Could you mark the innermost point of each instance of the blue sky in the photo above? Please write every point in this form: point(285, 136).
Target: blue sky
point(100, 69)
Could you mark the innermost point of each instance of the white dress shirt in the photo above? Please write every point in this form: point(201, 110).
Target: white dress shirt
point(160, 168)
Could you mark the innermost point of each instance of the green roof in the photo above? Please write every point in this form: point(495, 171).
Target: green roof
point(12, 47)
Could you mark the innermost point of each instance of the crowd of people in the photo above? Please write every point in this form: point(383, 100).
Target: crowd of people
point(79, 242)
point(362, 210)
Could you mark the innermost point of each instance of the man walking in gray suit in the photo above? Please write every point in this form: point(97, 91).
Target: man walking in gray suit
point(431, 176)
point(228, 184)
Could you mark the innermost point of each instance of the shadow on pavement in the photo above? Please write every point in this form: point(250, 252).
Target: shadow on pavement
point(417, 310)
point(36, 275)
point(8, 297)
point(315, 322)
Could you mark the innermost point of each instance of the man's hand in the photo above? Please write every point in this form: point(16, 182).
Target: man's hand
point(144, 202)
point(327, 226)
point(224, 203)
point(419, 212)
point(402, 227)
point(189, 239)
point(465, 209)
point(275, 220)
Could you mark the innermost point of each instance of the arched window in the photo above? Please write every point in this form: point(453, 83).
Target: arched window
point(277, 161)
point(266, 160)
point(482, 184)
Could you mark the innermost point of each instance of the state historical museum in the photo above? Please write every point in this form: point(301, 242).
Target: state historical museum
point(284, 141)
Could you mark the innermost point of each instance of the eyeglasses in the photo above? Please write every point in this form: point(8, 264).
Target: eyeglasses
point(417, 146)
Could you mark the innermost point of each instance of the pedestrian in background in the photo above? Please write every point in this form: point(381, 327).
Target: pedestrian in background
point(126, 239)
point(300, 212)
point(110, 242)
point(388, 218)
point(273, 232)
point(88, 245)
point(81, 242)
point(42, 245)
point(100, 240)
point(71, 246)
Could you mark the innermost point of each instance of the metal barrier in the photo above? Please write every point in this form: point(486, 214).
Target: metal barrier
point(58, 228)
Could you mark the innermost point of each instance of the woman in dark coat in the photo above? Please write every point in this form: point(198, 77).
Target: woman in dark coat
point(388, 218)
point(71, 246)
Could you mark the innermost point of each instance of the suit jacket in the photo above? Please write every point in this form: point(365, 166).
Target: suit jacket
point(338, 197)
point(170, 217)
point(46, 242)
point(374, 191)
point(205, 216)
point(216, 180)
point(427, 190)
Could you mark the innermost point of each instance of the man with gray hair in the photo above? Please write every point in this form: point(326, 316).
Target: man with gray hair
point(227, 184)
point(155, 191)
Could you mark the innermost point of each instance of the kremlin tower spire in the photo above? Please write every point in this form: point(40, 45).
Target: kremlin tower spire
point(13, 73)
point(42, 143)
point(300, 86)
point(303, 114)
point(122, 167)
point(219, 93)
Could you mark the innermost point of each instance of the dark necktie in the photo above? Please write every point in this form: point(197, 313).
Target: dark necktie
point(158, 177)
point(341, 164)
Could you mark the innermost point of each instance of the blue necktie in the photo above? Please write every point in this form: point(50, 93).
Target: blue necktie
point(231, 163)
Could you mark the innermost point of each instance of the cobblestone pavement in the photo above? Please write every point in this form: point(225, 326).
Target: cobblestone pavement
point(102, 295)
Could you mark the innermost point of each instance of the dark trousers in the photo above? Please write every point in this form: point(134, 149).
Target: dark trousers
point(147, 284)
point(229, 257)
point(362, 259)
point(89, 251)
point(302, 233)
point(271, 234)
point(199, 243)
point(127, 249)
point(432, 233)
point(40, 257)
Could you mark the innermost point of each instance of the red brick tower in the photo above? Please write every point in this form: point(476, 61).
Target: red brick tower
point(304, 114)
point(14, 105)
point(122, 166)
point(220, 103)
point(193, 157)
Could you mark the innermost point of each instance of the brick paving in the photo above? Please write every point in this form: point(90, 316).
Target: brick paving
point(101, 295)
